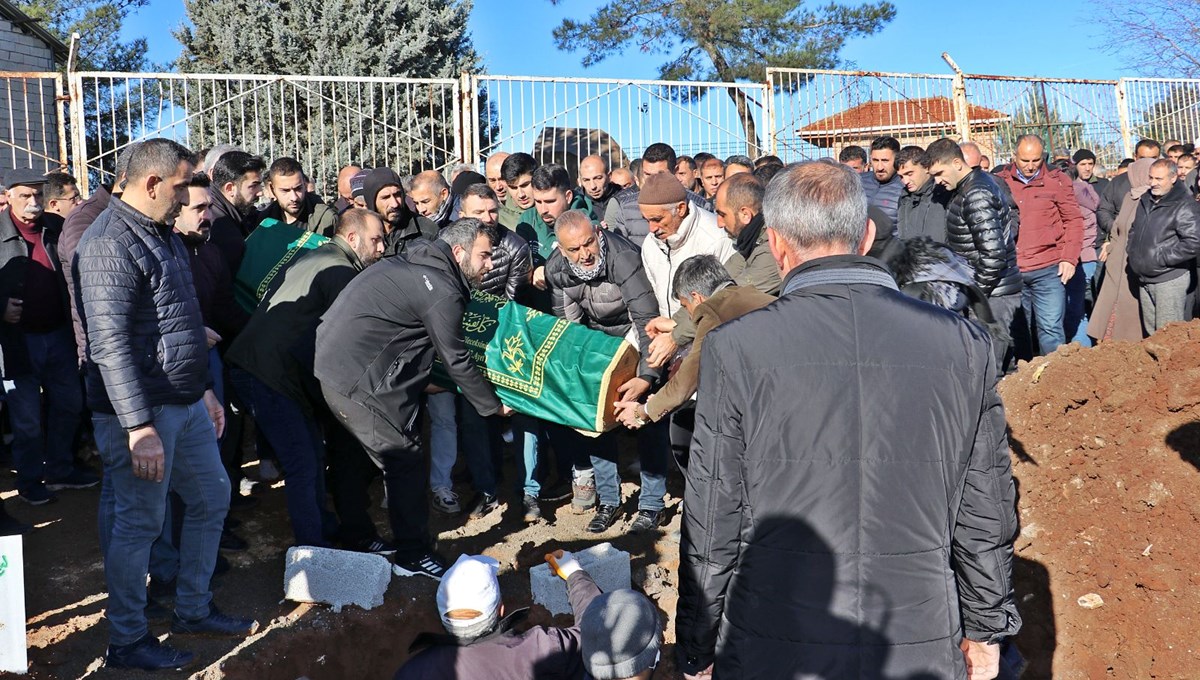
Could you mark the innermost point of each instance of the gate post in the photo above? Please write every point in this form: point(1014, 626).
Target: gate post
point(1123, 114)
point(769, 114)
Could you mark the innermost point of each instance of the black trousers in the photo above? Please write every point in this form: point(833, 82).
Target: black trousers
point(400, 457)
point(351, 472)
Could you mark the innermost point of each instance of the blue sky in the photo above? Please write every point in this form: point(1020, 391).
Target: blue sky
point(514, 37)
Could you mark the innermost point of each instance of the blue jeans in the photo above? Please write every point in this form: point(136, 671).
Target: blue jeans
point(42, 451)
point(1044, 299)
point(443, 439)
point(1076, 323)
point(132, 511)
point(297, 442)
point(654, 445)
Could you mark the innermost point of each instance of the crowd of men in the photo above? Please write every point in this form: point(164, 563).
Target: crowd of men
point(742, 283)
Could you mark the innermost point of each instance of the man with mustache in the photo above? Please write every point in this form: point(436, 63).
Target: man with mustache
point(38, 345)
point(597, 279)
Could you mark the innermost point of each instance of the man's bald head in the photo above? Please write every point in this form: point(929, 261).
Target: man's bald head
point(343, 181)
point(1029, 155)
point(971, 154)
point(622, 177)
point(593, 176)
point(495, 179)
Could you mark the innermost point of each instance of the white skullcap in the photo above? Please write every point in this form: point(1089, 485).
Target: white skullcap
point(470, 584)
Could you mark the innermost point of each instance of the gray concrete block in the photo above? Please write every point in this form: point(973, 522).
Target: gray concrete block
point(335, 577)
point(607, 566)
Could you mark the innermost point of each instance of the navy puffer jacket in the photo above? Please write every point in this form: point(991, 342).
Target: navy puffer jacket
point(145, 336)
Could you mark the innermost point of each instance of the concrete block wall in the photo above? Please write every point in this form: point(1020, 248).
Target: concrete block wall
point(607, 566)
point(27, 107)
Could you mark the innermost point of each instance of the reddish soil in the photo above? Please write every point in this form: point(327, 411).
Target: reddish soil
point(1106, 450)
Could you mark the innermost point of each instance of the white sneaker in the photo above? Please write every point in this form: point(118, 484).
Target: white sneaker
point(445, 500)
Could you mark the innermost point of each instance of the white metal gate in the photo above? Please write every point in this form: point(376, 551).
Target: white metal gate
point(1162, 109)
point(324, 122)
point(32, 126)
point(818, 113)
point(561, 120)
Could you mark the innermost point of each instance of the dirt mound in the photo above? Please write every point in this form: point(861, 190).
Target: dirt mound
point(1106, 451)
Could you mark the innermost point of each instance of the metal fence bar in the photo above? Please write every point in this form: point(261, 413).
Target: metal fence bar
point(31, 125)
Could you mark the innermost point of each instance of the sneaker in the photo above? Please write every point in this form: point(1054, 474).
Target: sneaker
point(232, 542)
point(76, 479)
point(268, 471)
point(429, 565)
point(38, 495)
point(646, 520)
point(215, 624)
point(605, 516)
point(147, 654)
point(533, 512)
point(485, 505)
point(583, 495)
point(559, 492)
point(372, 545)
point(446, 501)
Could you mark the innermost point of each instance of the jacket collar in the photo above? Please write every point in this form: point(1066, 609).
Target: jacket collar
point(352, 256)
point(679, 238)
point(828, 269)
point(136, 217)
point(503, 628)
point(1177, 193)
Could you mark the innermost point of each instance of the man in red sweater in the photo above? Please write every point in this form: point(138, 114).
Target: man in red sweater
point(1049, 240)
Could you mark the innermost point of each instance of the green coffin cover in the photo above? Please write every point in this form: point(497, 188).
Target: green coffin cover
point(269, 250)
point(545, 367)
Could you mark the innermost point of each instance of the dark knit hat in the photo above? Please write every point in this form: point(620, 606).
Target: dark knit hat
point(464, 180)
point(375, 181)
point(356, 183)
point(619, 631)
point(661, 189)
point(1083, 155)
point(27, 177)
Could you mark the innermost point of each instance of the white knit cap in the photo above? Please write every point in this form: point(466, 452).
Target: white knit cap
point(470, 584)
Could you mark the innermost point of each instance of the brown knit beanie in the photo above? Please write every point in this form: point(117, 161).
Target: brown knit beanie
point(661, 189)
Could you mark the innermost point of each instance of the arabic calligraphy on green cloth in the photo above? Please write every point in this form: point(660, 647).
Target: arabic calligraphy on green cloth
point(543, 366)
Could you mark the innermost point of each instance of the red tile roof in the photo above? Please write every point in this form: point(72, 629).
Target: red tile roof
point(897, 116)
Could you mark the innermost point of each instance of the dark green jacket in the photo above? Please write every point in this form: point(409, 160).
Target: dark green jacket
point(277, 344)
point(317, 217)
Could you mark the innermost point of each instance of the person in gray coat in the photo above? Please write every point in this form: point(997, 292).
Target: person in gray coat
point(847, 533)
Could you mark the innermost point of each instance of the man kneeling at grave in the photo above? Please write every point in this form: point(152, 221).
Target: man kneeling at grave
point(616, 635)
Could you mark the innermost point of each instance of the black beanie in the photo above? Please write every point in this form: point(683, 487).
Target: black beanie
point(464, 180)
point(375, 181)
point(1083, 155)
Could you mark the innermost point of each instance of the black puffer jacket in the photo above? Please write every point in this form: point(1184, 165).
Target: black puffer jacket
point(511, 266)
point(375, 345)
point(145, 334)
point(617, 302)
point(853, 534)
point(1165, 237)
point(980, 228)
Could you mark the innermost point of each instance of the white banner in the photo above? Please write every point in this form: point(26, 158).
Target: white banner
point(12, 606)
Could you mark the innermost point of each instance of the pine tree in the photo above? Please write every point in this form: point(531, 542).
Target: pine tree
point(726, 40)
point(375, 123)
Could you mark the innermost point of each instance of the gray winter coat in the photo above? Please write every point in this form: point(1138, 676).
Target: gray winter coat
point(619, 303)
point(848, 533)
point(923, 212)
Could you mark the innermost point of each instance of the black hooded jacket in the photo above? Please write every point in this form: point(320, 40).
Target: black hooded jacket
point(410, 225)
point(981, 228)
point(376, 344)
